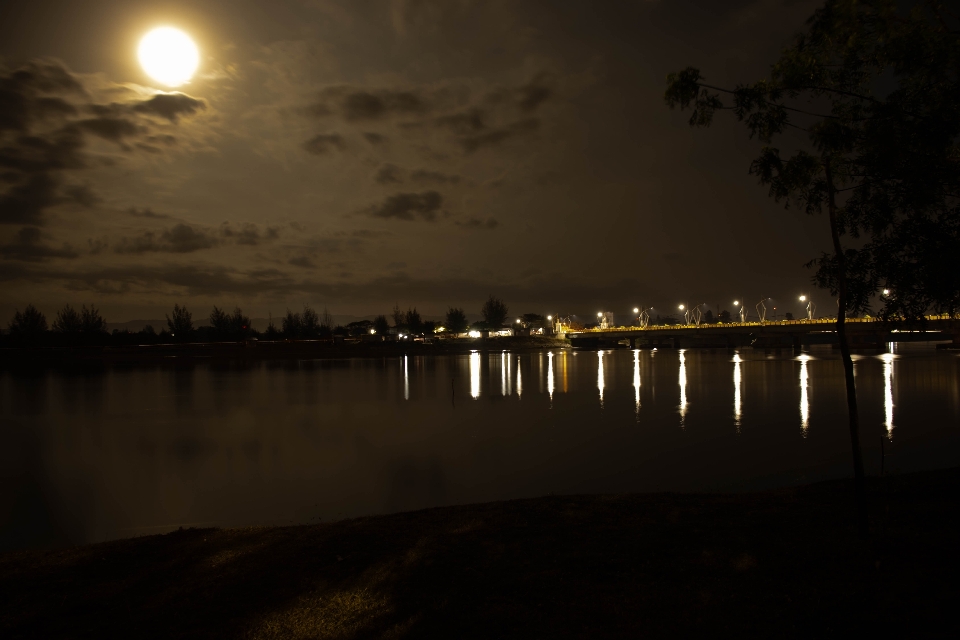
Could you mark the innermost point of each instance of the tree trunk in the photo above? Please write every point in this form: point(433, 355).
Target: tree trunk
point(861, 498)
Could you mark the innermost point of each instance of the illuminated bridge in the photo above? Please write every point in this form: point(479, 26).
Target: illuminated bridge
point(863, 333)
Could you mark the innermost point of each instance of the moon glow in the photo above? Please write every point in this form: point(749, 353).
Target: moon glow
point(168, 56)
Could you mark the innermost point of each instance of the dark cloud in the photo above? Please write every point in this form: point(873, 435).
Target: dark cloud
point(27, 247)
point(170, 106)
point(35, 160)
point(249, 233)
point(409, 206)
point(324, 143)
point(476, 223)
point(25, 202)
point(374, 138)
point(497, 136)
point(112, 129)
point(147, 213)
point(96, 246)
point(389, 174)
point(80, 194)
point(468, 122)
point(363, 105)
point(180, 238)
point(534, 93)
point(422, 175)
point(368, 233)
point(302, 261)
point(25, 94)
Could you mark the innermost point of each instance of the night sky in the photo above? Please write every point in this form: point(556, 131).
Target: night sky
point(355, 154)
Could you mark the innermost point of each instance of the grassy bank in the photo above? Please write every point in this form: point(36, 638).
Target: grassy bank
point(778, 564)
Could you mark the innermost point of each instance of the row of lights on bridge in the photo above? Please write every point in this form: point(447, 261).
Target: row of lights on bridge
point(810, 306)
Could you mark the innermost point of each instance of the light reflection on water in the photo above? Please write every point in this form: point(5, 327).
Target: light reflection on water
point(888, 359)
point(737, 401)
point(683, 386)
point(600, 375)
point(636, 379)
point(124, 451)
point(804, 398)
point(474, 374)
point(550, 375)
point(519, 380)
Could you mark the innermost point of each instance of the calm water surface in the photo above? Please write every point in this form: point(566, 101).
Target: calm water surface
point(88, 456)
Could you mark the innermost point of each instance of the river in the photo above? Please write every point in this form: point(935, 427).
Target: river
point(90, 455)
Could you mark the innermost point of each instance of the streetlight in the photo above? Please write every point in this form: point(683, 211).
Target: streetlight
point(762, 309)
point(886, 292)
point(811, 308)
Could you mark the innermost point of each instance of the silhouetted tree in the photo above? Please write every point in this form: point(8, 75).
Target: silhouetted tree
point(413, 321)
point(92, 323)
point(239, 324)
point(494, 312)
point(708, 317)
point(381, 325)
point(533, 321)
point(724, 316)
point(788, 316)
point(181, 324)
point(456, 320)
point(67, 321)
point(310, 323)
point(148, 330)
point(399, 318)
point(272, 333)
point(29, 326)
point(876, 90)
point(291, 325)
point(359, 327)
point(220, 322)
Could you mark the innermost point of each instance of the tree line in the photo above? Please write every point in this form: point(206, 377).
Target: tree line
point(87, 326)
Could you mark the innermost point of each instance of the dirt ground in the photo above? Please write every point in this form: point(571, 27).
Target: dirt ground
point(785, 563)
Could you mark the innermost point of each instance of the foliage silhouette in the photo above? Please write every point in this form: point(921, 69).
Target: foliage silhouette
point(877, 152)
point(456, 320)
point(494, 312)
point(181, 324)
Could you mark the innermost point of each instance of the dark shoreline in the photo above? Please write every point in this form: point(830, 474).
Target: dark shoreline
point(265, 350)
point(783, 563)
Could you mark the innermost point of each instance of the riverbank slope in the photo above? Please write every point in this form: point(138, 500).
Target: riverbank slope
point(784, 563)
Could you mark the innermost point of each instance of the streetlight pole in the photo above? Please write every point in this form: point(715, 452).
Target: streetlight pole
point(762, 310)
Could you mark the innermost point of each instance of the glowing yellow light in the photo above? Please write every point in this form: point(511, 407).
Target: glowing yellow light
point(803, 298)
point(168, 56)
point(549, 317)
point(736, 303)
point(636, 310)
point(681, 307)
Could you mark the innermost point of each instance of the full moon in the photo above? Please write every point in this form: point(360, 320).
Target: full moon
point(168, 56)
